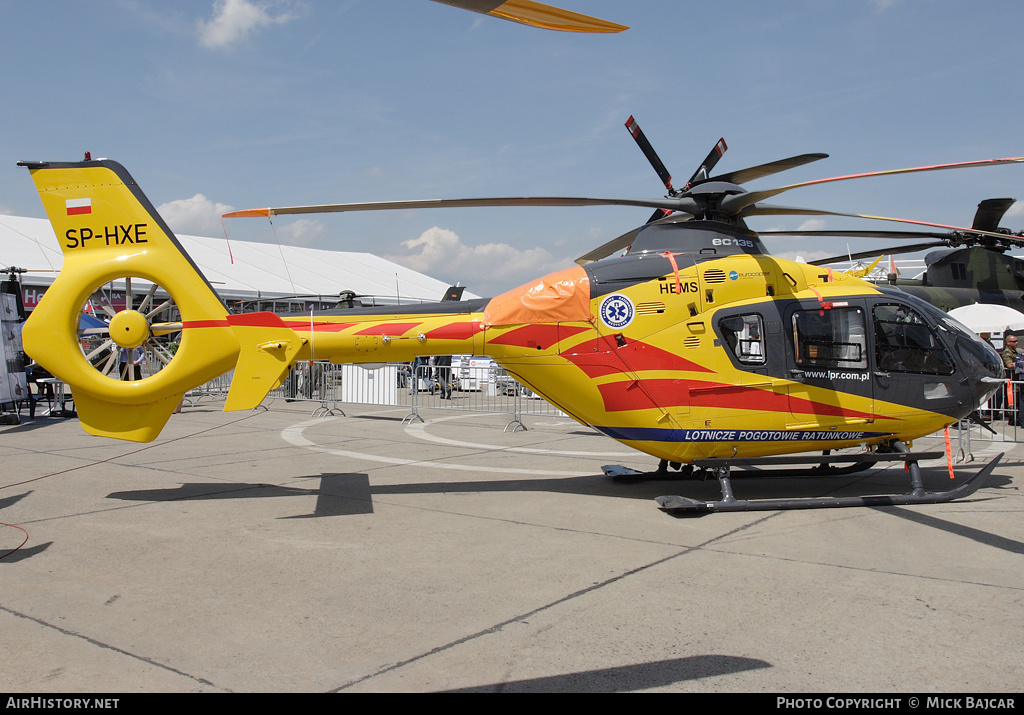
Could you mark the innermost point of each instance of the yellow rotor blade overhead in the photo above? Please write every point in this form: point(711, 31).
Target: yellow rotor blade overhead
point(537, 14)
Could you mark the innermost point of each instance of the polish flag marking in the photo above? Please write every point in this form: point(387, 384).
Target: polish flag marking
point(77, 207)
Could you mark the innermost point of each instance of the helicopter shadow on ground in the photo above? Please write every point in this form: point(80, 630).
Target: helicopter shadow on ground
point(7, 555)
point(30, 424)
point(951, 527)
point(628, 678)
point(343, 494)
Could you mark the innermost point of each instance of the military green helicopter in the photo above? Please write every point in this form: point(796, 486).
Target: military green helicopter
point(967, 268)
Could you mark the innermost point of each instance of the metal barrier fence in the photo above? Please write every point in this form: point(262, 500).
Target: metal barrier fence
point(215, 389)
point(318, 382)
point(469, 389)
point(1002, 415)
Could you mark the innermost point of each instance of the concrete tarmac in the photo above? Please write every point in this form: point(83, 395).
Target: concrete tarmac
point(274, 551)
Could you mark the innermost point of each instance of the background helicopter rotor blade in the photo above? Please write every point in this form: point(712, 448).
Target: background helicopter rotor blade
point(990, 213)
point(737, 203)
point(872, 254)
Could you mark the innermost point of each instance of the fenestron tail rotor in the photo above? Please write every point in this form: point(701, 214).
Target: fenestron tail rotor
point(116, 334)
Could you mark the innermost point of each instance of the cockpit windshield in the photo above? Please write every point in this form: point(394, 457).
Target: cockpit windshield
point(979, 357)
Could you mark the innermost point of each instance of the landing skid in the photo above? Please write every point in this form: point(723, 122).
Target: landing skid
point(721, 468)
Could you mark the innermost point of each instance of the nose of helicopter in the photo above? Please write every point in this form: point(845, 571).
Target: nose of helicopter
point(982, 364)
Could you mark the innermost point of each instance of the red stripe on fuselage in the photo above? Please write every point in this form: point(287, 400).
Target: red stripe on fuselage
point(330, 327)
point(602, 356)
point(205, 324)
point(629, 395)
point(456, 331)
point(388, 329)
point(263, 319)
point(542, 336)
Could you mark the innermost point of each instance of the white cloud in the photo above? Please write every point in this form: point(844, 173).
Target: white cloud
point(303, 232)
point(804, 256)
point(486, 269)
point(813, 224)
point(197, 216)
point(234, 20)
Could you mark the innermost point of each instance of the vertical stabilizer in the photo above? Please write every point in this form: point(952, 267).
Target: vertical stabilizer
point(109, 231)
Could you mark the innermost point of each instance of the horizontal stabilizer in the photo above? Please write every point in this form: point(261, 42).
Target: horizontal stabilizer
point(267, 348)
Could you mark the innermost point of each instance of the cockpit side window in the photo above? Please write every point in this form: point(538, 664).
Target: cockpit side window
point(830, 338)
point(905, 343)
point(744, 334)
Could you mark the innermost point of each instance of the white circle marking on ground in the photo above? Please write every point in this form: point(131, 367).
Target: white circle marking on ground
point(420, 431)
point(294, 436)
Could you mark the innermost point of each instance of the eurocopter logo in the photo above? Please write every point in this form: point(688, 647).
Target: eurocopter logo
point(733, 275)
point(617, 311)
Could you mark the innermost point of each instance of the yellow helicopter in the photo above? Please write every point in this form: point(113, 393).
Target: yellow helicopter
point(694, 346)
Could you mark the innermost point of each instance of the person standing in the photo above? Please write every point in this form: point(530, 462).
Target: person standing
point(1009, 355)
point(129, 363)
point(443, 375)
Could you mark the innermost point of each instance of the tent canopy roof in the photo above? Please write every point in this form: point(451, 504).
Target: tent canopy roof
point(257, 269)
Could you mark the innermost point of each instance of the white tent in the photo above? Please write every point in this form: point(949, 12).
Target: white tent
point(241, 269)
point(988, 317)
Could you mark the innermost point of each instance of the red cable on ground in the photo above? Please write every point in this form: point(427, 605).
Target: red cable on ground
point(24, 541)
point(103, 461)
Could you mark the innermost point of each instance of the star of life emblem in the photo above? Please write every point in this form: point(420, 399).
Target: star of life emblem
point(617, 311)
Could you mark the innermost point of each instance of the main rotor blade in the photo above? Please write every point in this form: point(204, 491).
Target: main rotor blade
point(858, 234)
point(537, 14)
point(990, 213)
point(614, 246)
point(622, 242)
point(648, 150)
point(668, 203)
point(765, 210)
point(742, 176)
point(704, 170)
point(736, 203)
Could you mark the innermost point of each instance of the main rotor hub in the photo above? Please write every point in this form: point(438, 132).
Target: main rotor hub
point(129, 329)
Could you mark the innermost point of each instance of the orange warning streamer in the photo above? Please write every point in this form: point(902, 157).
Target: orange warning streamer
point(949, 454)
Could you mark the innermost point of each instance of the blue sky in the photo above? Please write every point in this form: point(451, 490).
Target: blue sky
point(215, 105)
